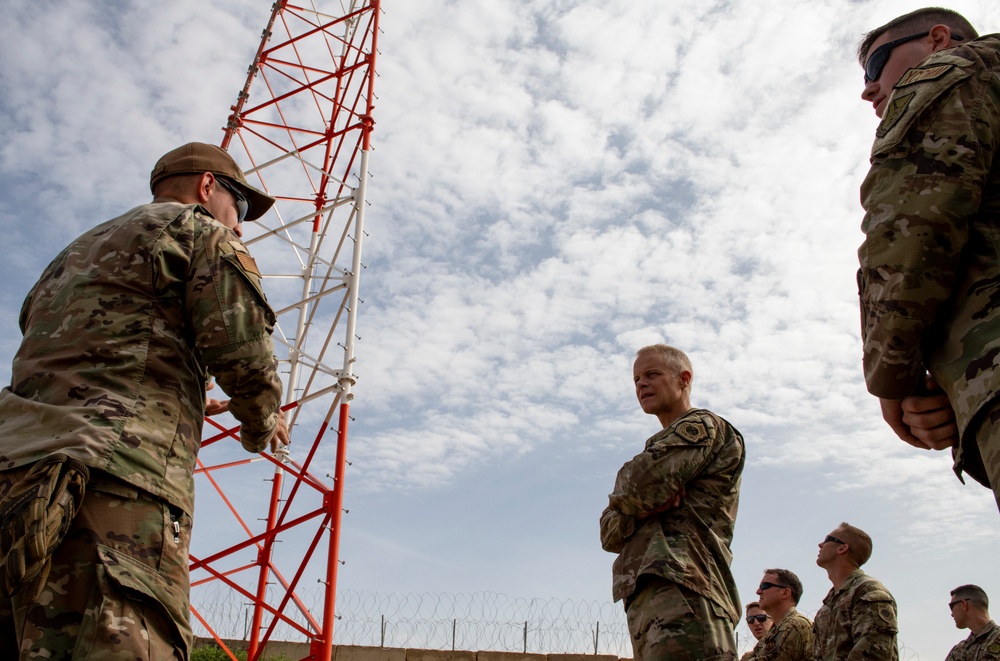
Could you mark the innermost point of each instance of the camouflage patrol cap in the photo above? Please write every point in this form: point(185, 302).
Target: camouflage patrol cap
point(198, 157)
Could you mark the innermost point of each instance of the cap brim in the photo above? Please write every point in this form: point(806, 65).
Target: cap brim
point(260, 202)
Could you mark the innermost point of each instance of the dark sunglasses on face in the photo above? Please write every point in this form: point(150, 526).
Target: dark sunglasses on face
point(757, 618)
point(879, 56)
point(831, 538)
point(767, 584)
point(951, 606)
point(242, 204)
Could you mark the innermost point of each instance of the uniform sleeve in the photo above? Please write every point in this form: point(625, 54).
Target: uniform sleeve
point(873, 626)
point(232, 325)
point(616, 528)
point(794, 641)
point(647, 482)
point(929, 165)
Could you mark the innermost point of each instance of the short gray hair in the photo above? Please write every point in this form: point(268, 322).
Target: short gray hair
point(676, 359)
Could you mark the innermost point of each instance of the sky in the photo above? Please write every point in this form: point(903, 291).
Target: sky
point(554, 184)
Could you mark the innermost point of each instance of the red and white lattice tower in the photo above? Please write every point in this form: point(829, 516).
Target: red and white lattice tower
point(301, 127)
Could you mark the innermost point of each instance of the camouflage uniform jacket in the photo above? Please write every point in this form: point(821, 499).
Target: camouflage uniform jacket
point(856, 622)
point(121, 332)
point(791, 639)
point(688, 544)
point(929, 280)
point(983, 646)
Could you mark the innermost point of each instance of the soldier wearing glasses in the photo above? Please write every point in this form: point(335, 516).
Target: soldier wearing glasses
point(791, 637)
point(858, 617)
point(102, 421)
point(759, 623)
point(970, 609)
point(929, 280)
point(670, 519)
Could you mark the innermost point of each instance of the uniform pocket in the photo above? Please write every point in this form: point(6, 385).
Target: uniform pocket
point(134, 610)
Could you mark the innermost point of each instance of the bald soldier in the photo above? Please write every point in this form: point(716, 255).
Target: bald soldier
point(929, 278)
point(670, 519)
point(101, 425)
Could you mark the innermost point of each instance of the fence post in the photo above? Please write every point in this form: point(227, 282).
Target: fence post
point(382, 642)
point(525, 649)
point(597, 636)
point(453, 634)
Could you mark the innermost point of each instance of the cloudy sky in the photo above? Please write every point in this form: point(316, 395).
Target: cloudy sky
point(555, 183)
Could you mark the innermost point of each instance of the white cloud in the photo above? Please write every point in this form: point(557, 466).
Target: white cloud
point(554, 185)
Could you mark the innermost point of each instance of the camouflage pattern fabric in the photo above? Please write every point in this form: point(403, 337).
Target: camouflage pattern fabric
point(984, 646)
point(668, 622)
point(929, 280)
point(689, 544)
point(858, 621)
point(121, 333)
point(791, 639)
point(979, 456)
point(34, 517)
point(748, 656)
point(118, 586)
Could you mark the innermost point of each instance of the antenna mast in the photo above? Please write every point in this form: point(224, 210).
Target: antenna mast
point(301, 127)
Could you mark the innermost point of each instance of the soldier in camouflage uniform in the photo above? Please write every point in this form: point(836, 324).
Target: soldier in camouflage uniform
point(929, 280)
point(970, 610)
point(759, 624)
point(121, 334)
point(858, 617)
point(791, 637)
point(670, 519)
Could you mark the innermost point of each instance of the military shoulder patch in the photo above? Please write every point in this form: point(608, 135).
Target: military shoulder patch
point(886, 614)
point(993, 648)
point(896, 109)
point(921, 75)
point(248, 263)
point(692, 431)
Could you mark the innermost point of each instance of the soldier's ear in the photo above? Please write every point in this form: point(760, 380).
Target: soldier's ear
point(941, 38)
point(205, 185)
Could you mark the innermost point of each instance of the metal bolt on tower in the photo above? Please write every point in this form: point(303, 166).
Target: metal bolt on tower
point(301, 127)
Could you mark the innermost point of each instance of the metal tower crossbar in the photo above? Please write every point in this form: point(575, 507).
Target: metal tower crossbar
point(301, 129)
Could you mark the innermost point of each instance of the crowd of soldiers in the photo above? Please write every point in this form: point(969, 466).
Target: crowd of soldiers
point(929, 288)
point(858, 615)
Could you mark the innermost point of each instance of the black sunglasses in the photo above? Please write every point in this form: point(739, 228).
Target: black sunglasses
point(242, 204)
point(831, 538)
point(757, 618)
point(951, 606)
point(879, 56)
point(767, 584)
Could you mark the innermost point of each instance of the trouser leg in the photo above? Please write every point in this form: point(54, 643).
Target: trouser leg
point(118, 586)
point(979, 454)
point(669, 622)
